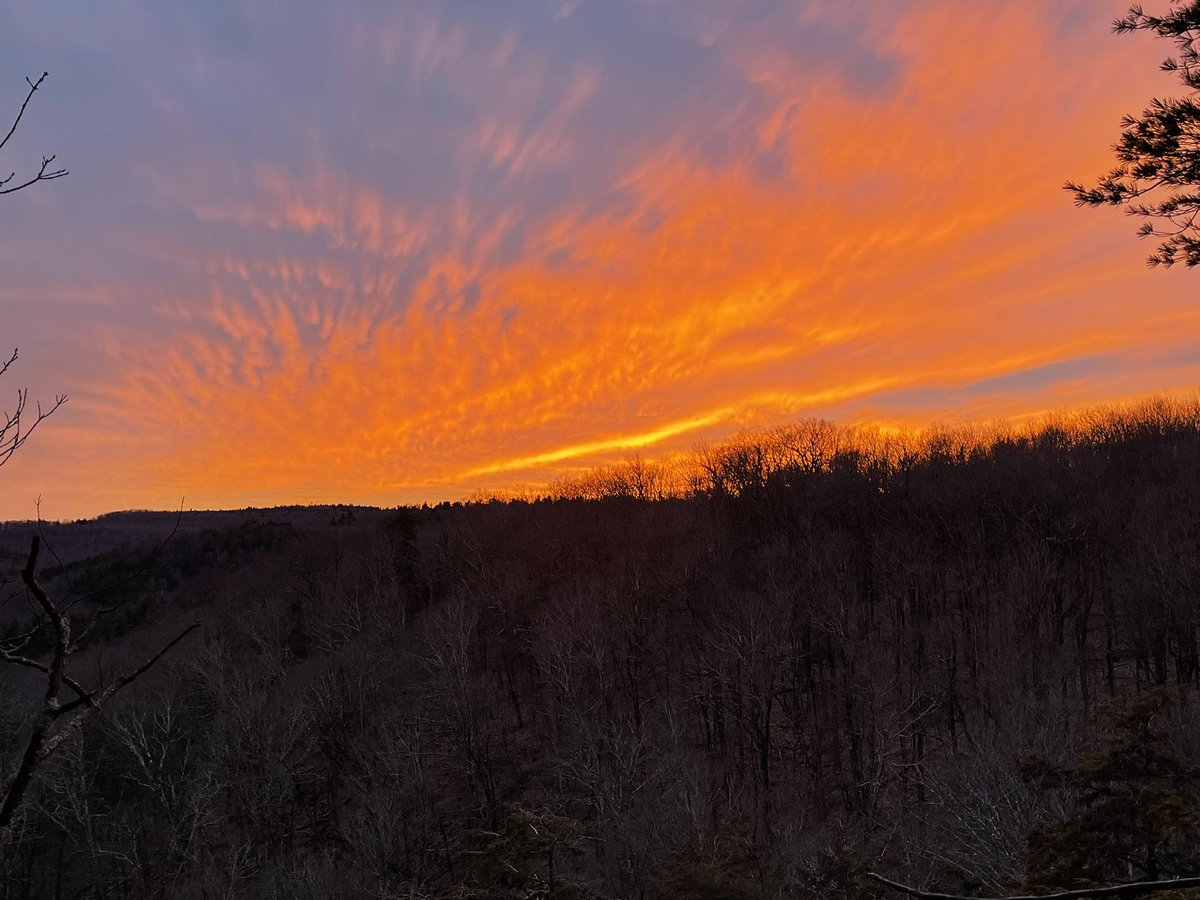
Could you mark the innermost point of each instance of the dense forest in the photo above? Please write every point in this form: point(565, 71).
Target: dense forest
point(964, 661)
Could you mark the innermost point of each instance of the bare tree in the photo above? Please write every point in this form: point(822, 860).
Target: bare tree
point(57, 722)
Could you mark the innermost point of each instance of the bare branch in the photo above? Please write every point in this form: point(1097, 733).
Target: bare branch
point(45, 739)
point(14, 790)
point(11, 359)
point(60, 623)
point(42, 175)
point(33, 86)
point(13, 430)
point(44, 172)
point(14, 659)
point(67, 731)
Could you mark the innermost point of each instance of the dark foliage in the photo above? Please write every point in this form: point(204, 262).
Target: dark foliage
point(1157, 176)
point(1132, 803)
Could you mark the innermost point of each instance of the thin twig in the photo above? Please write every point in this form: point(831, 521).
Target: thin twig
point(33, 86)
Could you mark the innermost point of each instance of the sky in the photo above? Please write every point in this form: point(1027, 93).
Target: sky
point(397, 252)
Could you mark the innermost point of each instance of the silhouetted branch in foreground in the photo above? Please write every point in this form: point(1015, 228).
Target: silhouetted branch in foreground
point(15, 427)
point(1133, 889)
point(44, 172)
point(50, 728)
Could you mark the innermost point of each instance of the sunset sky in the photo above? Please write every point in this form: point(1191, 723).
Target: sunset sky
point(396, 252)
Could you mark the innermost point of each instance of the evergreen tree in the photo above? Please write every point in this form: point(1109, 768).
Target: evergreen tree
point(1132, 799)
point(1159, 151)
point(526, 858)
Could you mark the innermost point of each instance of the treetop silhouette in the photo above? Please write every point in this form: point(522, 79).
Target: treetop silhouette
point(1157, 176)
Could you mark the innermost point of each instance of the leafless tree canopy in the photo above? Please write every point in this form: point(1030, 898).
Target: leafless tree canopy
point(967, 665)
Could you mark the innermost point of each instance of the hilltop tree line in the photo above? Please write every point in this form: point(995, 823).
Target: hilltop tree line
point(968, 663)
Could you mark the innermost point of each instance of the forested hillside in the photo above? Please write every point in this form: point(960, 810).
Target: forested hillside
point(964, 662)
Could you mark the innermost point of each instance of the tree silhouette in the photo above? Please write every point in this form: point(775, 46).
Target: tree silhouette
point(1159, 151)
point(56, 722)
